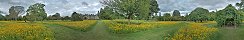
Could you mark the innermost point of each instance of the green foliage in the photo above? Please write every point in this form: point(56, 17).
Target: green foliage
point(165, 17)
point(211, 16)
point(176, 13)
point(240, 5)
point(36, 12)
point(15, 11)
point(107, 13)
point(154, 8)
point(176, 16)
point(66, 18)
point(199, 14)
point(229, 15)
point(76, 17)
point(2, 17)
point(54, 17)
point(130, 8)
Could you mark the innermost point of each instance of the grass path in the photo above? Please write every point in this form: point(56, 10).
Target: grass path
point(64, 33)
point(100, 32)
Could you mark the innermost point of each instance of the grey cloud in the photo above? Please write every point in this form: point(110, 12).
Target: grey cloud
point(84, 3)
point(189, 5)
point(66, 7)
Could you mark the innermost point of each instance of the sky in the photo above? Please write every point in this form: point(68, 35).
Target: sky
point(67, 7)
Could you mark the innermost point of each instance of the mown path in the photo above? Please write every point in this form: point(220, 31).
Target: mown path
point(100, 32)
point(97, 33)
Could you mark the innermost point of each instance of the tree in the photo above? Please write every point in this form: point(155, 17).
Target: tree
point(36, 12)
point(176, 16)
point(20, 18)
point(130, 8)
point(2, 17)
point(54, 17)
point(105, 13)
point(66, 18)
point(165, 17)
point(211, 16)
point(57, 16)
point(240, 5)
point(15, 11)
point(153, 7)
point(1, 12)
point(199, 14)
point(76, 17)
point(176, 13)
point(25, 18)
point(229, 16)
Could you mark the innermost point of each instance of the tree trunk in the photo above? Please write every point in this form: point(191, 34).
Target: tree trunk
point(129, 18)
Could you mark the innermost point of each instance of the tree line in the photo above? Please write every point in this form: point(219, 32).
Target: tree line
point(148, 9)
point(37, 12)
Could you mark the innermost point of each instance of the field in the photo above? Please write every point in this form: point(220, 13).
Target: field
point(117, 30)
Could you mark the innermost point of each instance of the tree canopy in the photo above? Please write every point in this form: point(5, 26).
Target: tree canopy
point(15, 11)
point(56, 16)
point(228, 16)
point(199, 14)
point(165, 17)
point(36, 12)
point(130, 8)
point(154, 8)
point(76, 17)
point(106, 13)
point(176, 13)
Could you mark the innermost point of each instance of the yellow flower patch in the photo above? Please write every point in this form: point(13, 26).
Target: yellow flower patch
point(128, 28)
point(195, 31)
point(25, 31)
point(167, 22)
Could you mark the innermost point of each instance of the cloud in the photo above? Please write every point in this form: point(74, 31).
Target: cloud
point(189, 5)
point(67, 7)
point(84, 3)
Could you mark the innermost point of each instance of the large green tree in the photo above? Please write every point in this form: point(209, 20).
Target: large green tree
point(229, 16)
point(15, 11)
point(36, 12)
point(199, 14)
point(130, 8)
point(154, 8)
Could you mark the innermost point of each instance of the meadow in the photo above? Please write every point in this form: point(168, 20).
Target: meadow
point(117, 30)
